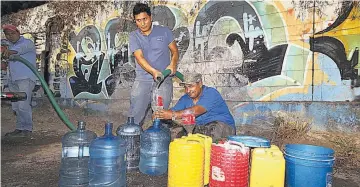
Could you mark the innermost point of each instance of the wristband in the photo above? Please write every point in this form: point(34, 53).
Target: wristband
point(173, 117)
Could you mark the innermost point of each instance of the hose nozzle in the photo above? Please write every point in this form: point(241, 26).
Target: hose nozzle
point(160, 78)
point(166, 73)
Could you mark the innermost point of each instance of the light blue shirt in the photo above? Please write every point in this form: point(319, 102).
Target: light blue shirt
point(211, 100)
point(155, 48)
point(26, 49)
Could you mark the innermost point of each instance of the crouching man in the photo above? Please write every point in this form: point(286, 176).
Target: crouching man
point(213, 117)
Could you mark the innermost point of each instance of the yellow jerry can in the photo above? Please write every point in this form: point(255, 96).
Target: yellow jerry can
point(267, 167)
point(206, 141)
point(186, 163)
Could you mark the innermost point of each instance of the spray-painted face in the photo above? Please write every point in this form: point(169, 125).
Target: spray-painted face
point(193, 90)
point(143, 21)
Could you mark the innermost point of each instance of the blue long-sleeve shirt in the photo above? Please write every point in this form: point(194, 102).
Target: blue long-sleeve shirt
point(26, 49)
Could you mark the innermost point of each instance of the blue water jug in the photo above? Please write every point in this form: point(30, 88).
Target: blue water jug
point(107, 165)
point(130, 133)
point(75, 157)
point(154, 150)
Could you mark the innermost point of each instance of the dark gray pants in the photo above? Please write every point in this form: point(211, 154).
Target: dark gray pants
point(141, 96)
point(216, 130)
point(23, 108)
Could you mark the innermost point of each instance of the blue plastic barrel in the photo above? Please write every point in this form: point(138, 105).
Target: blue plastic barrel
point(308, 165)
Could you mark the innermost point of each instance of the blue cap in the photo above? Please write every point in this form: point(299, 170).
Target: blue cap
point(251, 141)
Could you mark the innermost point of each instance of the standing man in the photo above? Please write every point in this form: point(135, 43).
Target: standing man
point(21, 78)
point(151, 46)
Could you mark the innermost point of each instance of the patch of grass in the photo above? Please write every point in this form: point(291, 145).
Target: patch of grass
point(289, 126)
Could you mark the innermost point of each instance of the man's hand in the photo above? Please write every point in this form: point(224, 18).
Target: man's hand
point(7, 53)
point(172, 68)
point(155, 73)
point(163, 114)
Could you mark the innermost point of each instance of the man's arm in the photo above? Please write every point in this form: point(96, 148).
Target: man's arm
point(145, 64)
point(6, 53)
point(174, 57)
point(168, 114)
point(197, 109)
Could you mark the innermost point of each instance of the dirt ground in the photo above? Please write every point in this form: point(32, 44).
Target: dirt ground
point(34, 161)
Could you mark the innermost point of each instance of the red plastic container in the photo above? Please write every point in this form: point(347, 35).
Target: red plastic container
point(160, 101)
point(229, 165)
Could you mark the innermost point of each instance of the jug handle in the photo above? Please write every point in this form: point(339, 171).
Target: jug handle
point(192, 140)
point(202, 136)
point(243, 148)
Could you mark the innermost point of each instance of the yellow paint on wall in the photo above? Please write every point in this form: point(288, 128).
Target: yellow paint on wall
point(28, 36)
point(296, 29)
point(350, 26)
point(285, 91)
point(70, 58)
point(113, 15)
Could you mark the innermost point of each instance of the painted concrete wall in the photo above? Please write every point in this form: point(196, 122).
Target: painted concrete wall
point(280, 52)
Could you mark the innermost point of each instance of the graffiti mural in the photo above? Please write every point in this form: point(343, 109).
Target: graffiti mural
point(102, 59)
point(264, 49)
point(341, 47)
point(329, 72)
point(251, 51)
point(258, 61)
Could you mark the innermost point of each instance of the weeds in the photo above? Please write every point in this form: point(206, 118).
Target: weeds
point(289, 126)
point(346, 151)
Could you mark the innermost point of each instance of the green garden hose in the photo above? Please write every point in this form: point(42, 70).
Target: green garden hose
point(61, 114)
point(47, 90)
point(166, 73)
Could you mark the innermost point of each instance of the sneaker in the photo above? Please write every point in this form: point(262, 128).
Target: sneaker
point(16, 131)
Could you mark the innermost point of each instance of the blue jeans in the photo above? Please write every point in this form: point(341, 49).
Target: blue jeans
point(23, 108)
point(141, 97)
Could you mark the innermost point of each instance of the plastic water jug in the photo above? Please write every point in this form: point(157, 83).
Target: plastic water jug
point(186, 163)
point(157, 101)
point(130, 133)
point(107, 166)
point(206, 141)
point(154, 150)
point(267, 167)
point(75, 157)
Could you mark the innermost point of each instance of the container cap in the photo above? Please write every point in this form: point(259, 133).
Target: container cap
point(251, 141)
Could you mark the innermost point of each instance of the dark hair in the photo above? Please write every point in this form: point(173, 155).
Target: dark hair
point(141, 7)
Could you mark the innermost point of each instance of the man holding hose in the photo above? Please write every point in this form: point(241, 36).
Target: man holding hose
point(21, 78)
point(151, 45)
